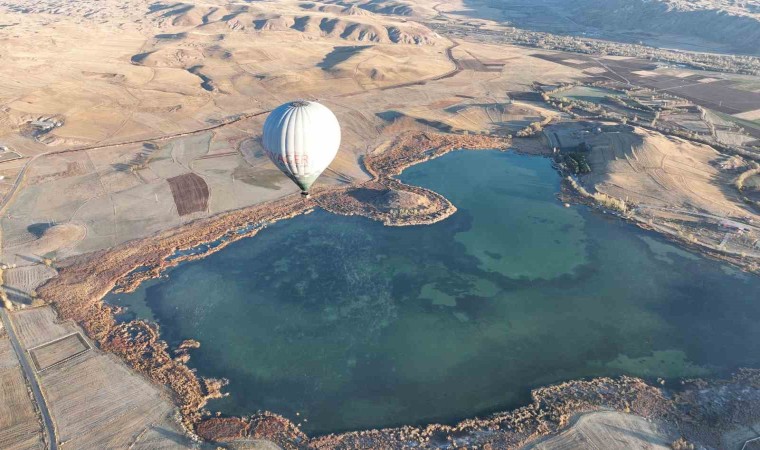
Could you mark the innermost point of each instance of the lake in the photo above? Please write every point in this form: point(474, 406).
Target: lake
point(340, 323)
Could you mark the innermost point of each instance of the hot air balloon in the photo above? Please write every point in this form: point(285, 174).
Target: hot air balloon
point(301, 138)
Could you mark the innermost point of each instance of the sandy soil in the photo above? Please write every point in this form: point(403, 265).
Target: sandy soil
point(604, 429)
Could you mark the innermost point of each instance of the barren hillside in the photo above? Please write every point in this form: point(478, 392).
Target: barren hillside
point(733, 25)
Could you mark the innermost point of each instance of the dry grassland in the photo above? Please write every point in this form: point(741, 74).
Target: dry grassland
point(58, 351)
point(96, 402)
point(20, 428)
point(38, 326)
point(649, 168)
point(679, 188)
point(610, 430)
point(749, 115)
point(94, 399)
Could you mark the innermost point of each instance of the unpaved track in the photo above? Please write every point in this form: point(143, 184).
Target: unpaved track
point(20, 178)
point(47, 421)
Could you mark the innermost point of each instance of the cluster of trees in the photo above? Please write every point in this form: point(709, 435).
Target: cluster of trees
point(744, 176)
point(534, 128)
point(576, 162)
point(600, 198)
point(630, 103)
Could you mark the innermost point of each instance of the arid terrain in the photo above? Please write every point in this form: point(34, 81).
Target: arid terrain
point(722, 26)
point(131, 129)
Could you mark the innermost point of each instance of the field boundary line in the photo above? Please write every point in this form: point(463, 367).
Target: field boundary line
point(79, 336)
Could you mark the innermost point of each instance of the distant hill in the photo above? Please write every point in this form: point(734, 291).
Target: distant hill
point(354, 22)
point(734, 25)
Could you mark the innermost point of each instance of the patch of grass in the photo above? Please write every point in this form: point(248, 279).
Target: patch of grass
point(744, 176)
point(755, 124)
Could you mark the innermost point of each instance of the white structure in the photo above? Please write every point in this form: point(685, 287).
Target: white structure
point(302, 139)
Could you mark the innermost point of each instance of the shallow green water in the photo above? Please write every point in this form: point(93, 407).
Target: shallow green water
point(340, 323)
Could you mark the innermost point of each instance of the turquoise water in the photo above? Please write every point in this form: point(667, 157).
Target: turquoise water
point(341, 323)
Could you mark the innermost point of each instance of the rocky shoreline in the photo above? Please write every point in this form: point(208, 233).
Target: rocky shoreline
point(83, 281)
point(703, 412)
point(550, 410)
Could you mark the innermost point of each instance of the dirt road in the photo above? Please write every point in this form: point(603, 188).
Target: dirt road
point(47, 421)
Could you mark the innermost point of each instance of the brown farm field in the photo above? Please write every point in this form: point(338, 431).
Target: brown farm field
point(190, 193)
point(723, 93)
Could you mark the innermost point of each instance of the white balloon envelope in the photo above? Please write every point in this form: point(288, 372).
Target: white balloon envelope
point(301, 138)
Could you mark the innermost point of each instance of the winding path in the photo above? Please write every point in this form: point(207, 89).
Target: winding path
point(29, 373)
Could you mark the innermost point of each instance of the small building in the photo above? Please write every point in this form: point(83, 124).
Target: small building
point(735, 226)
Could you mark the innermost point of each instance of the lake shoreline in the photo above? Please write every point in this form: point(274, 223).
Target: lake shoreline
point(570, 193)
point(124, 267)
point(83, 281)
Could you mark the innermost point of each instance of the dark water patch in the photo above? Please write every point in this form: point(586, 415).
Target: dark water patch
point(350, 324)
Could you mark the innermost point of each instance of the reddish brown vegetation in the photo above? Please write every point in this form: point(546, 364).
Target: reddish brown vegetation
point(83, 281)
point(550, 410)
point(223, 429)
point(372, 199)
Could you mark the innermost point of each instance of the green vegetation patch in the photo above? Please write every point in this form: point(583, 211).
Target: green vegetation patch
point(577, 163)
point(741, 122)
